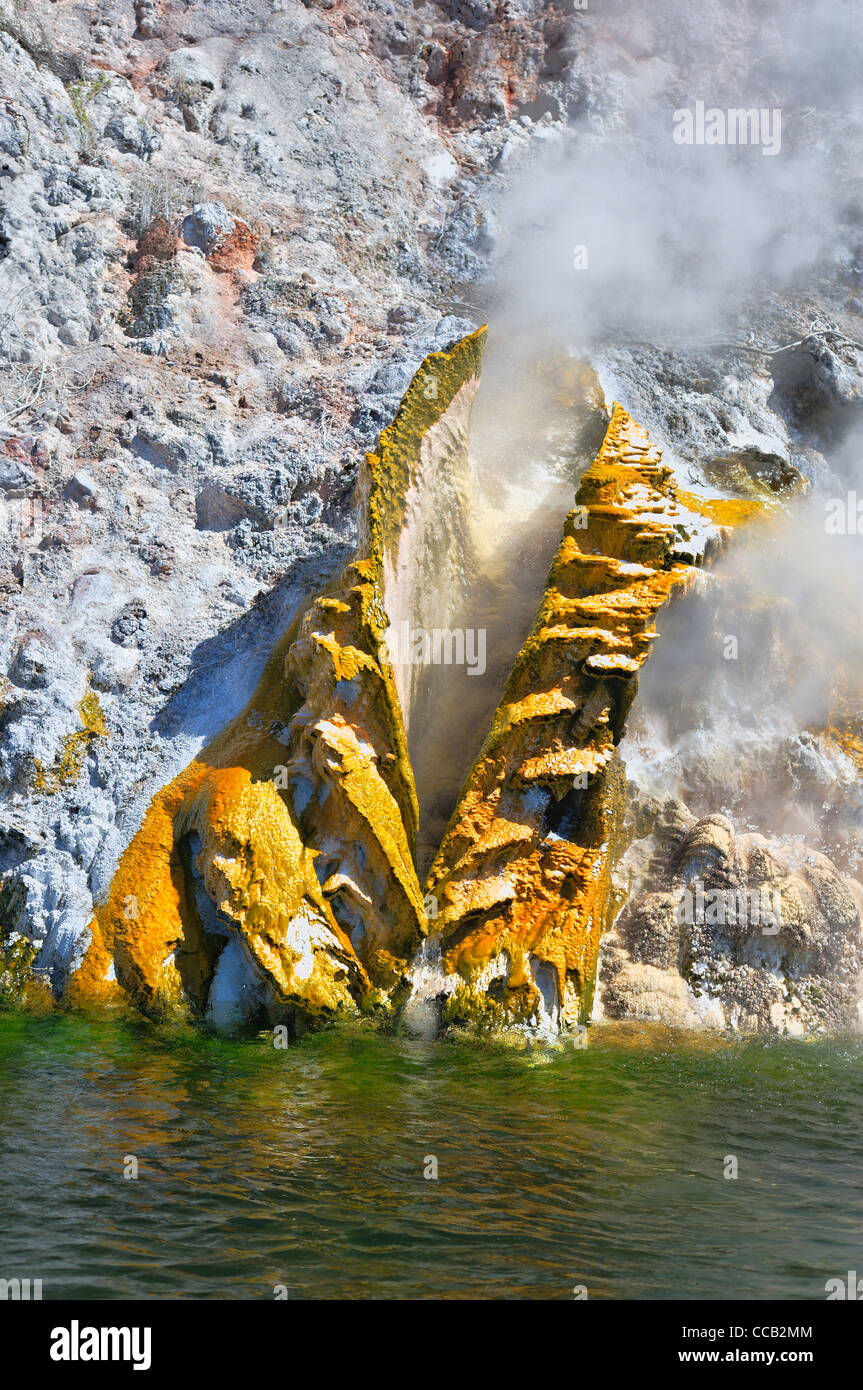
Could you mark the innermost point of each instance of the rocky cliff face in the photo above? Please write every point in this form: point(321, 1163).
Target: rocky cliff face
point(229, 238)
point(741, 877)
point(225, 251)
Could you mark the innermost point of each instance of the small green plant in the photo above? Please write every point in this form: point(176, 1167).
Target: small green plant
point(81, 95)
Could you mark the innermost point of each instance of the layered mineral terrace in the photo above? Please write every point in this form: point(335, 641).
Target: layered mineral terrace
point(523, 874)
point(275, 878)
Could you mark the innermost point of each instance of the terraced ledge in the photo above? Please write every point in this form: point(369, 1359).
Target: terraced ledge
point(523, 877)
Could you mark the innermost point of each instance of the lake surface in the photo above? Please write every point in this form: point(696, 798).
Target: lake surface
point(305, 1167)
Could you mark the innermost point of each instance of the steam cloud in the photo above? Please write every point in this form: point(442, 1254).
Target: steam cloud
point(688, 246)
point(679, 237)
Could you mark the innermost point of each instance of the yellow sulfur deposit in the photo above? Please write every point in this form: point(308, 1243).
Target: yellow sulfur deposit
point(293, 832)
point(71, 758)
point(292, 836)
point(726, 511)
point(523, 874)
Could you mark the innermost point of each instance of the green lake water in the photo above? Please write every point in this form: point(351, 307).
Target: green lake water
point(305, 1167)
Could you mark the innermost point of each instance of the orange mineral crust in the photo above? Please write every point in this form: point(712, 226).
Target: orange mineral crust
point(278, 870)
point(522, 879)
point(292, 835)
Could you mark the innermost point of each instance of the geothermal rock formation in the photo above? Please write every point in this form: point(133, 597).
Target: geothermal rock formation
point(274, 879)
point(523, 875)
point(733, 930)
point(229, 240)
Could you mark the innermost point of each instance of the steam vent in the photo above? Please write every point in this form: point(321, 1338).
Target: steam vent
point(275, 881)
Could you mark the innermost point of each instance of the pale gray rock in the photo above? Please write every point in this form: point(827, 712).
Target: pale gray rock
point(48, 901)
point(207, 225)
